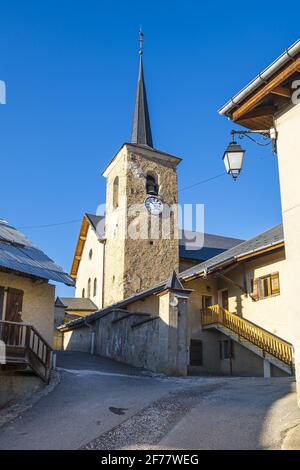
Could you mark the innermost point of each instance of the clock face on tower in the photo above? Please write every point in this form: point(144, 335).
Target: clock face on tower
point(154, 205)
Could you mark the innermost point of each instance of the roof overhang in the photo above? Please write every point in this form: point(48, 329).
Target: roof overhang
point(255, 105)
point(85, 224)
point(160, 288)
point(263, 250)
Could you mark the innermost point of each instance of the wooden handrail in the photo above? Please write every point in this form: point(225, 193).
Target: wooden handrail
point(268, 342)
point(36, 349)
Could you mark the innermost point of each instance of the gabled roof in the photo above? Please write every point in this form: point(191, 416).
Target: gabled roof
point(18, 254)
point(96, 222)
point(76, 303)
point(203, 246)
point(268, 241)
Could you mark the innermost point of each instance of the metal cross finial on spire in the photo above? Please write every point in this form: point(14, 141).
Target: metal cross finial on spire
point(141, 40)
point(141, 128)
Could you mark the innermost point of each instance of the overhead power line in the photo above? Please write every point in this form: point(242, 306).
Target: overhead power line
point(51, 225)
point(68, 222)
point(202, 182)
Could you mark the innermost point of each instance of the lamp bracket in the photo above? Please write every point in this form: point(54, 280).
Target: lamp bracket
point(264, 133)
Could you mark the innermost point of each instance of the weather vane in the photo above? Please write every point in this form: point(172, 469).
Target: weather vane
point(141, 39)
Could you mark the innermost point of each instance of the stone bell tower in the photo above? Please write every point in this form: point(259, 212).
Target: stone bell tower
point(141, 210)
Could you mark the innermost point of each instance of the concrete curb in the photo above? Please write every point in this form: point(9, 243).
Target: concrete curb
point(291, 440)
point(14, 411)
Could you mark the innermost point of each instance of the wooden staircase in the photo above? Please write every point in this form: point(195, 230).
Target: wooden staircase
point(25, 348)
point(268, 346)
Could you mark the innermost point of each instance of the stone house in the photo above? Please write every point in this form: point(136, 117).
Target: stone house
point(26, 310)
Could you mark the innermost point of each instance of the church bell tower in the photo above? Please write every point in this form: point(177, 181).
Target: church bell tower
point(141, 247)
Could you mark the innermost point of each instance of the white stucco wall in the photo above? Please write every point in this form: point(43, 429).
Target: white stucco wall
point(38, 302)
point(91, 268)
point(288, 124)
point(270, 313)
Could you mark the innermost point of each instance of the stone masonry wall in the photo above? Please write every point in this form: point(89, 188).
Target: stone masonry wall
point(133, 265)
point(117, 339)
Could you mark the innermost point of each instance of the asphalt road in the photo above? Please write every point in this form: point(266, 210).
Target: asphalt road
point(101, 404)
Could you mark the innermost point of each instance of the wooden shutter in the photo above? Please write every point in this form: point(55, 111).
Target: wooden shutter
point(255, 293)
point(275, 287)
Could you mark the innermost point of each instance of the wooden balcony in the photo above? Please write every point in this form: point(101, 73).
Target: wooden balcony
point(24, 346)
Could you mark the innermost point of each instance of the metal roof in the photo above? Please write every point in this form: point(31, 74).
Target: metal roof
point(203, 246)
point(10, 234)
point(17, 253)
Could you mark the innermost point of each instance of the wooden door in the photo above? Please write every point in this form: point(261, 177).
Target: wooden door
point(225, 302)
point(14, 304)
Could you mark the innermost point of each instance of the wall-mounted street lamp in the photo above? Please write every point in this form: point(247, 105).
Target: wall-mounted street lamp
point(234, 154)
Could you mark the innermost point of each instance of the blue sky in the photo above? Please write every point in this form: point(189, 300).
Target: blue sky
point(71, 68)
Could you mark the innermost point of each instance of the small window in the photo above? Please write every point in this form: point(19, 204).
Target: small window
point(90, 254)
point(89, 288)
point(83, 293)
point(196, 352)
point(95, 287)
point(226, 349)
point(265, 286)
point(116, 192)
point(151, 185)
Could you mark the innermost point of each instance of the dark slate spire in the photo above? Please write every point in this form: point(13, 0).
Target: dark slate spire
point(141, 128)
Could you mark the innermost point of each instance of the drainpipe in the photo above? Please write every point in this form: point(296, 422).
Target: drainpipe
point(103, 273)
point(93, 338)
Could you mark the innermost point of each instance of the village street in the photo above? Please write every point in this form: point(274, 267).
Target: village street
point(101, 404)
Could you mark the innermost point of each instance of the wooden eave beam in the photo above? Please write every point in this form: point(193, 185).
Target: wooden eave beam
point(281, 91)
point(79, 247)
point(259, 112)
point(236, 284)
point(266, 89)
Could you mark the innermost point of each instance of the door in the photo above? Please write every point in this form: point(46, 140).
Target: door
point(225, 302)
point(196, 352)
point(206, 301)
point(14, 304)
point(11, 334)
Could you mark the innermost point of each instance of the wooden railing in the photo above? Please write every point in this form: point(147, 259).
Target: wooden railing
point(268, 342)
point(23, 341)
